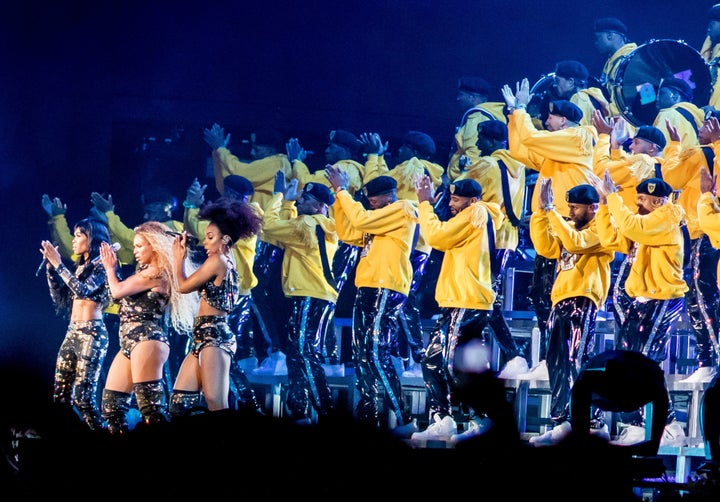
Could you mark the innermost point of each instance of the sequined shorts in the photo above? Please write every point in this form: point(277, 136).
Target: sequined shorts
point(213, 331)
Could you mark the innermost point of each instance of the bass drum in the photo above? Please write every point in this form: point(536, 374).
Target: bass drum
point(639, 74)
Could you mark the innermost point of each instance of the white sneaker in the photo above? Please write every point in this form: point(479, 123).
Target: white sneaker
point(538, 372)
point(334, 369)
point(414, 371)
point(475, 427)
point(553, 436)
point(629, 435)
point(275, 364)
point(248, 364)
point(673, 435)
point(442, 430)
point(406, 430)
point(514, 367)
point(704, 374)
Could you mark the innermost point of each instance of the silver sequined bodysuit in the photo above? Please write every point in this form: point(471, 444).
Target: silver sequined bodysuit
point(141, 318)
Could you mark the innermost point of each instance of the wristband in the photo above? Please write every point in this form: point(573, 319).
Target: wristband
point(549, 207)
point(187, 205)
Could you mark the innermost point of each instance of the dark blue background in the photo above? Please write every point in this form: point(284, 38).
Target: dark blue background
point(86, 84)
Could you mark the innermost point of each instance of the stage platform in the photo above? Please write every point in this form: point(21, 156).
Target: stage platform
point(531, 398)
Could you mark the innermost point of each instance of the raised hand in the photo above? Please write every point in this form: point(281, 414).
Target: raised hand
point(620, 132)
point(372, 143)
point(601, 124)
point(215, 137)
point(708, 182)
point(338, 178)
point(424, 189)
point(102, 204)
point(295, 151)
point(53, 207)
point(195, 195)
point(672, 131)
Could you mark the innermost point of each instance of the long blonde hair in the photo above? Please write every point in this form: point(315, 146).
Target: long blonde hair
point(182, 306)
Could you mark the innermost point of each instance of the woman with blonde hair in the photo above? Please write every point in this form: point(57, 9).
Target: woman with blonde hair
point(144, 298)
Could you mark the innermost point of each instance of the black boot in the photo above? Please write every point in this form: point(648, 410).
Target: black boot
point(152, 401)
point(115, 405)
point(184, 403)
point(92, 419)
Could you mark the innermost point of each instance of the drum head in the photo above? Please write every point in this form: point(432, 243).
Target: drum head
point(639, 74)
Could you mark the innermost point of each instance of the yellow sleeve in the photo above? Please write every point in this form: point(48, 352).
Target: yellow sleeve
point(545, 243)
point(444, 235)
point(61, 235)
point(194, 225)
point(345, 230)
point(123, 235)
point(573, 240)
point(652, 229)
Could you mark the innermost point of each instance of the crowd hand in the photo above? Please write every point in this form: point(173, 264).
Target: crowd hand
point(337, 177)
point(53, 207)
point(215, 137)
point(672, 131)
point(545, 196)
point(708, 182)
point(50, 253)
point(295, 151)
point(280, 185)
point(601, 124)
point(424, 189)
point(597, 184)
point(108, 256)
point(195, 195)
point(372, 143)
point(288, 189)
point(102, 204)
point(620, 132)
point(608, 185)
point(713, 128)
point(292, 192)
point(521, 96)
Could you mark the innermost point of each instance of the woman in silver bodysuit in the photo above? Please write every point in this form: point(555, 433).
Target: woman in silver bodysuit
point(144, 298)
point(216, 281)
point(83, 293)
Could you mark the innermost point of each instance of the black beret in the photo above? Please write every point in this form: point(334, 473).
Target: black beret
point(421, 142)
point(379, 186)
point(239, 184)
point(565, 108)
point(654, 186)
point(651, 134)
point(610, 24)
point(466, 188)
point(493, 129)
point(679, 85)
point(714, 13)
point(319, 192)
point(572, 69)
point(582, 194)
point(268, 137)
point(477, 85)
point(345, 139)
